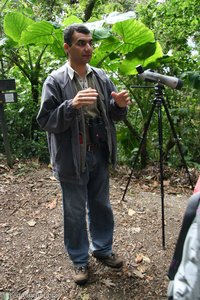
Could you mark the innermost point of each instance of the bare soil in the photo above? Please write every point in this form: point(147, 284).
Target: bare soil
point(34, 264)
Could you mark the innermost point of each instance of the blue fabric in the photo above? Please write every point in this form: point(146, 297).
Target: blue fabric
point(89, 198)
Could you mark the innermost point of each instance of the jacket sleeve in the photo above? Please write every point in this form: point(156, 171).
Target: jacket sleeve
point(56, 114)
point(116, 113)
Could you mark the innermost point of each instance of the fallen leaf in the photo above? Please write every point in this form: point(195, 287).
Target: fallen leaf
point(139, 258)
point(136, 230)
point(6, 296)
point(24, 294)
point(53, 204)
point(131, 212)
point(58, 276)
point(108, 283)
point(155, 184)
point(31, 223)
point(4, 167)
point(138, 273)
point(149, 278)
point(4, 225)
point(84, 295)
point(146, 259)
point(166, 182)
point(145, 187)
point(142, 269)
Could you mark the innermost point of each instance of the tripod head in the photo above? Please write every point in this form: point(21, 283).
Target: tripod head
point(151, 76)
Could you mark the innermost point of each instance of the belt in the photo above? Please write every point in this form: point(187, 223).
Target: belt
point(92, 147)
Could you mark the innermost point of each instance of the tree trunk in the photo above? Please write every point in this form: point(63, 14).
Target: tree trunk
point(88, 10)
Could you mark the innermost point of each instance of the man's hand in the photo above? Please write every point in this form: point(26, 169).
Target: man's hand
point(122, 98)
point(84, 97)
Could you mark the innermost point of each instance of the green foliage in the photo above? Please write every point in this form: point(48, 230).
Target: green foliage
point(176, 27)
point(28, 32)
point(31, 37)
point(127, 44)
point(15, 24)
point(31, 47)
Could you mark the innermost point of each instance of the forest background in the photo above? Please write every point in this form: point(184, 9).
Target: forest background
point(158, 35)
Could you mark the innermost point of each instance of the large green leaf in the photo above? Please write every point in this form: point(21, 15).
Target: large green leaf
point(111, 19)
point(110, 44)
point(128, 65)
point(132, 40)
point(98, 57)
point(14, 24)
point(100, 33)
point(38, 33)
point(133, 34)
point(107, 49)
point(57, 46)
point(144, 51)
point(132, 43)
point(71, 20)
point(156, 56)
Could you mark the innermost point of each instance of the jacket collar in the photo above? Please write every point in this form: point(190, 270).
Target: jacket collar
point(71, 71)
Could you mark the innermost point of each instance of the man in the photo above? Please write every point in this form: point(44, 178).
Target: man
point(79, 105)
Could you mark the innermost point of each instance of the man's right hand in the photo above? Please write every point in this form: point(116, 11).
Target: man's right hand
point(84, 97)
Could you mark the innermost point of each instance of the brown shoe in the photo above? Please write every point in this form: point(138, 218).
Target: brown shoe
point(81, 275)
point(110, 260)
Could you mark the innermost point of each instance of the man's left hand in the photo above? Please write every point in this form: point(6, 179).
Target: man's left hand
point(122, 98)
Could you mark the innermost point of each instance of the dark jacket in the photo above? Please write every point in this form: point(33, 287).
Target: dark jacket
point(61, 121)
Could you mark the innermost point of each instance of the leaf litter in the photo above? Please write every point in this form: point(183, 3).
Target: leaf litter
point(34, 264)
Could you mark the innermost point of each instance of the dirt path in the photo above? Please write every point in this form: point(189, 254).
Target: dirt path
point(34, 264)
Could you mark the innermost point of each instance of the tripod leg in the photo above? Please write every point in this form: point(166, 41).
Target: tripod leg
point(177, 142)
point(140, 147)
point(160, 137)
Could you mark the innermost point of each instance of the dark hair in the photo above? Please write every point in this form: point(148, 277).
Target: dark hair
point(68, 32)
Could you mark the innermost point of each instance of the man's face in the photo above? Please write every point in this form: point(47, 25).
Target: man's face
point(80, 52)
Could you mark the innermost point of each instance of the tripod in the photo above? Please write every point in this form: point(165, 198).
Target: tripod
point(158, 102)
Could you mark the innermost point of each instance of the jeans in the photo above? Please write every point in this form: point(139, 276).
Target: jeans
point(88, 216)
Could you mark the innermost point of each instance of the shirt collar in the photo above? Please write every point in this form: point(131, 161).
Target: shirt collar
point(71, 71)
